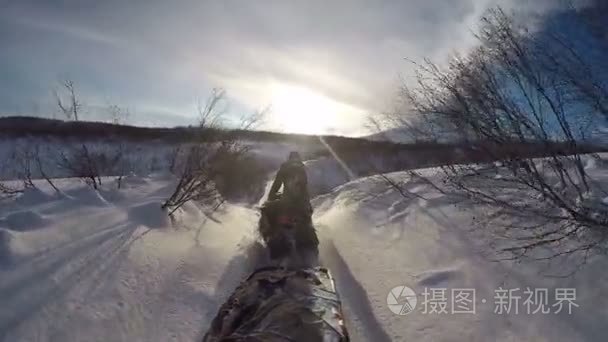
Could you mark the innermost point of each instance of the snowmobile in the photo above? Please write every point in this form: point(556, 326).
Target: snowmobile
point(287, 230)
point(279, 304)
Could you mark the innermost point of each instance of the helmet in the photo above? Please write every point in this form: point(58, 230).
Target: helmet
point(295, 156)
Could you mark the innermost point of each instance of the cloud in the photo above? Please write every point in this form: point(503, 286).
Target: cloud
point(71, 31)
point(163, 54)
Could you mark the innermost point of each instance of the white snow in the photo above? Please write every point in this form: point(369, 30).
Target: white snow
point(24, 220)
point(109, 265)
point(375, 243)
point(102, 271)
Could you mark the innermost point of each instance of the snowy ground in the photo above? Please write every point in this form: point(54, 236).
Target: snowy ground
point(377, 242)
point(109, 266)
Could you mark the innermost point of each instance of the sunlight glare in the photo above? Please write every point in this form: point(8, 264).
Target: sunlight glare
point(300, 110)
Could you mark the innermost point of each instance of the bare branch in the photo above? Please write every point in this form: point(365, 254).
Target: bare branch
point(514, 98)
point(70, 107)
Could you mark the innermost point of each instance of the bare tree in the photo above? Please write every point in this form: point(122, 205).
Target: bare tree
point(520, 95)
point(8, 191)
point(195, 181)
point(173, 158)
point(212, 112)
point(120, 163)
point(68, 103)
point(39, 160)
point(199, 164)
point(80, 161)
point(24, 159)
point(117, 162)
point(118, 115)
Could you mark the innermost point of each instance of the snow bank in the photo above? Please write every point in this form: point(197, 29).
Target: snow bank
point(86, 195)
point(150, 215)
point(13, 248)
point(33, 196)
point(25, 220)
point(133, 181)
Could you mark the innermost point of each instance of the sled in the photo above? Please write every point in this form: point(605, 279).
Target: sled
point(278, 304)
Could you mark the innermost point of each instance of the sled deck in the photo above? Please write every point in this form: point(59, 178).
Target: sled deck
point(278, 304)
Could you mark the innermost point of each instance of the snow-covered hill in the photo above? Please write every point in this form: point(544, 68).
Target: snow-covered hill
point(398, 135)
point(407, 135)
point(109, 266)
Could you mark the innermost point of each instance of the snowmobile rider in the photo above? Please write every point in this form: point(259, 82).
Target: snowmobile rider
point(292, 176)
point(295, 200)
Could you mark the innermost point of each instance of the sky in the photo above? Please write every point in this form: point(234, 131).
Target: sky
point(320, 66)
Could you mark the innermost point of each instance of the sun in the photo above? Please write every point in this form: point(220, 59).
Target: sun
point(298, 109)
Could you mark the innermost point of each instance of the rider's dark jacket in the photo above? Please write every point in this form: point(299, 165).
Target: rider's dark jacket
point(292, 176)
